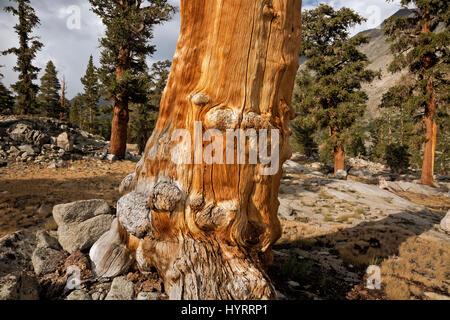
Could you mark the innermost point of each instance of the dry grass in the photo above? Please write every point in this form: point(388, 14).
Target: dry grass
point(421, 266)
point(365, 245)
point(28, 187)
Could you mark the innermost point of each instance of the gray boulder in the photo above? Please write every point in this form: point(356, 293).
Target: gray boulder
point(82, 223)
point(19, 286)
point(79, 211)
point(16, 250)
point(45, 260)
point(64, 142)
point(81, 236)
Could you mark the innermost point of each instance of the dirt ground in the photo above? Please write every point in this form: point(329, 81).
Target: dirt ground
point(28, 192)
point(306, 258)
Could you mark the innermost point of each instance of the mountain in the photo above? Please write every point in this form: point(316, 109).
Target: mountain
point(380, 56)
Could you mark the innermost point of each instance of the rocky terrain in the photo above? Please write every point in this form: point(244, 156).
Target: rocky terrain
point(333, 229)
point(49, 142)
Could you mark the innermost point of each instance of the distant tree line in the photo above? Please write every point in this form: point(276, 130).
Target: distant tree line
point(331, 104)
point(122, 83)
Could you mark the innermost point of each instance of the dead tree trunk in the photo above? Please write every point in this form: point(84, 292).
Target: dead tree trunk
point(63, 99)
point(208, 228)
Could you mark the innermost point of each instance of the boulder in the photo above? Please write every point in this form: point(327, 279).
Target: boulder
point(45, 260)
point(82, 235)
point(19, 286)
point(81, 223)
point(16, 250)
point(64, 142)
point(445, 223)
point(294, 167)
point(121, 289)
point(79, 211)
point(403, 186)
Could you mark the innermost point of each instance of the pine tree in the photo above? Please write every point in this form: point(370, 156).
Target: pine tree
point(129, 28)
point(420, 43)
point(49, 98)
point(144, 115)
point(328, 93)
point(6, 98)
point(91, 93)
point(29, 45)
point(78, 113)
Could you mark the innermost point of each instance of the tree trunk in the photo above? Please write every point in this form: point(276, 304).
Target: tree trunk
point(121, 115)
point(339, 159)
point(63, 99)
point(91, 120)
point(431, 136)
point(208, 228)
point(338, 152)
point(430, 122)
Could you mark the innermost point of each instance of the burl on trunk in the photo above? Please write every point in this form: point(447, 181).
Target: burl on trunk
point(208, 228)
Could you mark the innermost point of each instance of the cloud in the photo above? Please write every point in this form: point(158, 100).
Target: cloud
point(70, 41)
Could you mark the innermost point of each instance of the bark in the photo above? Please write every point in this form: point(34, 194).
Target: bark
point(430, 122)
point(431, 136)
point(121, 116)
point(338, 152)
point(339, 159)
point(209, 228)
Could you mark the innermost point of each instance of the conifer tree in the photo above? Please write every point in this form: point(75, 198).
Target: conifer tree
point(421, 43)
point(6, 98)
point(328, 93)
point(91, 93)
point(28, 47)
point(129, 28)
point(49, 98)
point(78, 114)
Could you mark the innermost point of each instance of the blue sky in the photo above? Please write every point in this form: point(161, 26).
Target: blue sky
point(70, 38)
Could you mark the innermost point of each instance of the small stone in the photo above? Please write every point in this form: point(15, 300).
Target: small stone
point(341, 175)
point(79, 295)
point(121, 289)
point(148, 296)
point(111, 158)
point(45, 210)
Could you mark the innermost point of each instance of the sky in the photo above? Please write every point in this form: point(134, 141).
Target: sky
point(70, 33)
